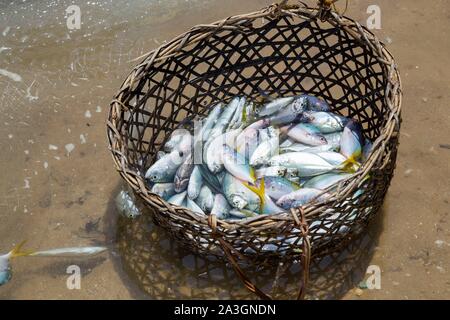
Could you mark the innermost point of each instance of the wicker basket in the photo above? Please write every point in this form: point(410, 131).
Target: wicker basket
point(283, 50)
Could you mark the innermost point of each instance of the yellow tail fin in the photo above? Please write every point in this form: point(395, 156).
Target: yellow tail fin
point(17, 251)
point(349, 165)
point(260, 192)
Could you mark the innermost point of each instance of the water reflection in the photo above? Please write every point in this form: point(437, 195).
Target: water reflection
point(163, 269)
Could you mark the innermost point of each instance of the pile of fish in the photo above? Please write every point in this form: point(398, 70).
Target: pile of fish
point(248, 158)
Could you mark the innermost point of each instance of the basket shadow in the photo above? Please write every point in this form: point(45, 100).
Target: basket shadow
point(155, 266)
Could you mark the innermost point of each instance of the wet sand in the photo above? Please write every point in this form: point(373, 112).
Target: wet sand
point(57, 198)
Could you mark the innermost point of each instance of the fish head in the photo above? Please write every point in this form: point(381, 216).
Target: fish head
point(5, 276)
point(5, 269)
point(155, 175)
point(322, 140)
point(300, 104)
point(239, 202)
point(285, 202)
point(307, 116)
point(317, 104)
point(215, 167)
point(180, 184)
point(281, 171)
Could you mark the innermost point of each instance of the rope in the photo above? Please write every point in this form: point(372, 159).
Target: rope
point(306, 249)
point(305, 258)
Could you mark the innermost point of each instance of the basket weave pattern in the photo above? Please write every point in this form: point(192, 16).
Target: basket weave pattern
point(283, 52)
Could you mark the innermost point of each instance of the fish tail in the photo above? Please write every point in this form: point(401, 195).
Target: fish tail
point(252, 174)
point(17, 251)
point(349, 164)
point(260, 192)
point(244, 115)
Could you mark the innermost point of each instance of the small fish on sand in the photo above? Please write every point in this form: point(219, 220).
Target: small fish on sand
point(5, 260)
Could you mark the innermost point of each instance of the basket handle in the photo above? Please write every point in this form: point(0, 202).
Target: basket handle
point(305, 257)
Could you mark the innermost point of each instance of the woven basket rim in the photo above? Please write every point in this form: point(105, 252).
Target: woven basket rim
point(393, 99)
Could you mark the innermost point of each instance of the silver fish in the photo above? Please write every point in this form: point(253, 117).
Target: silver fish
point(236, 121)
point(69, 252)
point(316, 104)
point(221, 207)
point(291, 173)
point(265, 151)
point(183, 174)
point(242, 214)
point(287, 143)
point(293, 113)
point(275, 106)
point(223, 121)
point(300, 147)
point(306, 134)
point(334, 139)
point(205, 199)
point(5, 260)
point(239, 195)
point(178, 199)
point(164, 190)
point(210, 121)
point(175, 139)
point(250, 133)
point(5, 267)
point(276, 187)
point(326, 122)
point(301, 197)
point(326, 180)
point(209, 179)
point(297, 180)
point(195, 183)
point(185, 145)
point(276, 171)
point(221, 175)
point(160, 154)
point(191, 205)
point(308, 164)
point(352, 141)
point(270, 207)
point(164, 169)
point(202, 131)
point(236, 165)
point(214, 149)
point(126, 205)
point(334, 158)
point(268, 133)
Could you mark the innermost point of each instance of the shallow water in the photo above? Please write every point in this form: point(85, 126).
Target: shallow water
point(58, 182)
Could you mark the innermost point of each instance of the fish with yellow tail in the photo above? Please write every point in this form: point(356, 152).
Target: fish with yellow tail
point(5, 260)
point(267, 205)
point(351, 145)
